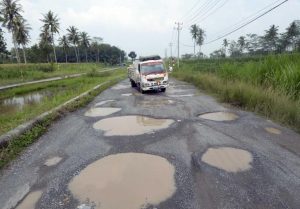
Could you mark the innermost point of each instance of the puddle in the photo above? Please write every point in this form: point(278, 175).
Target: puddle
point(101, 111)
point(131, 125)
point(156, 103)
point(30, 200)
point(127, 180)
point(228, 159)
point(103, 103)
point(127, 95)
point(182, 95)
point(52, 161)
point(273, 130)
point(19, 102)
point(220, 116)
point(120, 86)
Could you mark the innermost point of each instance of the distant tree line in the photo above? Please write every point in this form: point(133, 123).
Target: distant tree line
point(270, 42)
point(74, 46)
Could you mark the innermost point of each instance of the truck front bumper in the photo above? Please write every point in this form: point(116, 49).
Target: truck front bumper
point(154, 86)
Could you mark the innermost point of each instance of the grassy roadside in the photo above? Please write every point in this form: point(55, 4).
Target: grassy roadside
point(17, 145)
point(57, 92)
point(269, 90)
point(14, 73)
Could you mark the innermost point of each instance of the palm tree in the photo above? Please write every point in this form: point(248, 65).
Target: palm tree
point(225, 44)
point(74, 38)
point(194, 31)
point(200, 38)
point(241, 43)
point(271, 37)
point(85, 43)
point(45, 42)
point(292, 32)
point(64, 43)
point(22, 35)
point(51, 23)
point(10, 10)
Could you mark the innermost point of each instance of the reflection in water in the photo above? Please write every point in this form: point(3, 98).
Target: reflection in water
point(131, 125)
point(125, 181)
point(17, 103)
point(30, 201)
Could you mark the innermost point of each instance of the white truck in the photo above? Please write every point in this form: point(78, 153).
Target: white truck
point(148, 73)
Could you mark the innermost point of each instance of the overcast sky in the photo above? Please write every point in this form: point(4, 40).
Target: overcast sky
point(147, 26)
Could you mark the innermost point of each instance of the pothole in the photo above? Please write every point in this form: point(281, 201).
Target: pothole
point(156, 103)
point(120, 86)
point(103, 103)
point(127, 180)
point(182, 95)
point(127, 95)
point(273, 130)
point(131, 125)
point(220, 116)
point(228, 159)
point(30, 200)
point(101, 111)
point(52, 161)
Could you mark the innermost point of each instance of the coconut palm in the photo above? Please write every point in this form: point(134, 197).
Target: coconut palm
point(271, 37)
point(51, 23)
point(242, 43)
point(22, 35)
point(64, 43)
point(45, 41)
point(74, 38)
point(292, 32)
point(200, 38)
point(85, 43)
point(225, 44)
point(194, 31)
point(11, 13)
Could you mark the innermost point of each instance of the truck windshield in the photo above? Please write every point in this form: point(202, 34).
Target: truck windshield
point(152, 69)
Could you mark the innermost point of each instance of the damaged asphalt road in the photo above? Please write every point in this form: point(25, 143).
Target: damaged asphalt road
point(179, 149)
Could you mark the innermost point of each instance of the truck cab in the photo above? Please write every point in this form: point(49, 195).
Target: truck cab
point(149, 73)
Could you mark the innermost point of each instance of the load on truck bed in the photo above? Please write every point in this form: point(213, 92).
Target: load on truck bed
point(148, 73)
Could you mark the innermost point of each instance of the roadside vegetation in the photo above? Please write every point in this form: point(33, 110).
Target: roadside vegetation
point(268, 85)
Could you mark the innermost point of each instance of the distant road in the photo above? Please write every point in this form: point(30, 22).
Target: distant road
point(48, 79)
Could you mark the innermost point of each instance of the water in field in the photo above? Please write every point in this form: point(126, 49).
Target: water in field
point(127, 180)
point(17, 103)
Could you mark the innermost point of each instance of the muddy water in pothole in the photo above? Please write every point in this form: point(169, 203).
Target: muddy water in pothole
point(131, 125)
point(220, 116)
point(52, 161)
point(19, 102)
point(103, 103)
point(273, 130)
point(182, 95)
point(156, 103)
point(120, 86)
point(127, 95)
point(228, 159)
point(101, 111)
point(127, 180)
point(30, 200)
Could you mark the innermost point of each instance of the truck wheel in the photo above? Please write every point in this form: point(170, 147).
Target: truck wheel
point(132, 84)
point(163, 90)
point(140, 89)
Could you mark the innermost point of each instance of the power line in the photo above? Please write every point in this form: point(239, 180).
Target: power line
point(190, 10)
point(197, 10)
point(244, 25)
point(222, 5)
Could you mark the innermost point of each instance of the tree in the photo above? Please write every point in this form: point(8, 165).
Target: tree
point(225, 44)
point(64, 43)
point(292, 32)
point(271, 38)
point(45, 42)
point(200, 38)
point(85, 43)
point(132, 55)
point(194, 32)
point(22, 35)
point(11, 13)
point(3, 49)
point(95, 45)
point(51, 23)
point(234, 49)
point(242, 43)
point(74, 38)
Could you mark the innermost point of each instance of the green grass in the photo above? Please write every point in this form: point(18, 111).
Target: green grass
point(17, 145)
point(14, 73)
point(60, 91)
point(269, 86)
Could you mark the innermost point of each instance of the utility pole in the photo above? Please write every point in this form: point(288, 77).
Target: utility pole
point(178, 28)
point(171, 51)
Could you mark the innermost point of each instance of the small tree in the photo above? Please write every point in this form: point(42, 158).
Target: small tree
point(22, 35)
point(132, 55)
point(225, 44)
point(200, 38)
point(85, 43)
point(64, 43)
point(74, 38)
point(194, 32)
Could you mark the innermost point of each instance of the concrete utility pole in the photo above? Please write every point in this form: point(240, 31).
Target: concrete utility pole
point(178, 28)
point(171, 49)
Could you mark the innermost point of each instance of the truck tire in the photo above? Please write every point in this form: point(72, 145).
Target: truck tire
point(140, 89)
point(133, 84)
point(163, 90)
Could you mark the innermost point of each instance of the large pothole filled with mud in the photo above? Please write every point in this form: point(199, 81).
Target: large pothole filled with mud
point(127, 180)
point(228, 159)
point(30, 200)
point(131, 125)
point(220, 116)
point(101, 111)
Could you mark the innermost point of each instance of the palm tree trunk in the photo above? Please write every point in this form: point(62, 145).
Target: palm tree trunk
point(86, 57)
point(66, 55)
point(194, 48)
point(16, 47)
point(54, 51)
point(24, 54)
point(76, 53)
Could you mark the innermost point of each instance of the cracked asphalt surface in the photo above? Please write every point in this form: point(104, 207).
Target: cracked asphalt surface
point(272, 182)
